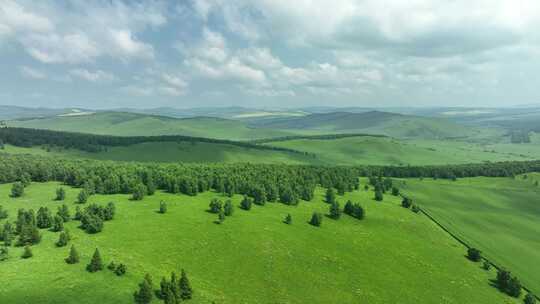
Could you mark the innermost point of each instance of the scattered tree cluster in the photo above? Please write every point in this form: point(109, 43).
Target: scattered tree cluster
point(118, 269)
point(94, 215)
point(354, 210)
point(176, 289)
point(507, 283)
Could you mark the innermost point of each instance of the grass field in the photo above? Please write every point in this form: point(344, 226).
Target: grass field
point(365, 150)
point(393, 256)
point(499, 216)
point(388, 151)
point(131, 124)
point(173, 152)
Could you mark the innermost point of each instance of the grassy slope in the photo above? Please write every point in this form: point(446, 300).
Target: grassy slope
point(500, 216)
point(345, 151)
point(387, 151)
point(130, 124)
point(174, 152)
point(394, 256)
point(391, 124)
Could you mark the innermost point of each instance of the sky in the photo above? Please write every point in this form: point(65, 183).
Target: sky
point(269, 53)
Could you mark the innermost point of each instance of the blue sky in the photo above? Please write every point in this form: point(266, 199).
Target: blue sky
point(269, 53)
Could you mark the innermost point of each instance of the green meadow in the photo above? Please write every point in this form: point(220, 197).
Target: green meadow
point(499, 216)
point(392, 256)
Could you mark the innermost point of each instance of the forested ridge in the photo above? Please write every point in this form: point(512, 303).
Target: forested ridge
point(314, 137)
point(25, 137)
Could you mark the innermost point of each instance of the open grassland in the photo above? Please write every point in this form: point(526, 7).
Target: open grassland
point(392, 256)
point(173, 152)
point(499, 216)
point(131, 124)
point(387, 151)
point(361, 150)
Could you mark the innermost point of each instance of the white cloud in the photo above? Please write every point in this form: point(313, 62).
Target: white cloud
point(53, 33)
point(97, 76)
point(174, 81)
point(29, 72)
point(127, 47)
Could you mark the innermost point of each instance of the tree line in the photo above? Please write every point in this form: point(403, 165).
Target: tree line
point(26, 137)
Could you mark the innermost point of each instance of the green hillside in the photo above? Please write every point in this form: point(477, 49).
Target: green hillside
point(172, 152)
point(374, 122)
point(387, 151)
point(392, 256)
point(131, 124)
point(499, 216)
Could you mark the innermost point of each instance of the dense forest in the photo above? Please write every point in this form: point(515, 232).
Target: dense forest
point(24, 137)
point(285, 183)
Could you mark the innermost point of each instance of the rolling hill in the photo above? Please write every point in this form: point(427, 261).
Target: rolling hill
point(499, 216)
point(131, 124)
point(392, 256)
point(373, 122)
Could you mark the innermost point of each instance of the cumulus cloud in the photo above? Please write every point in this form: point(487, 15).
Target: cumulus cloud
point(52, 33)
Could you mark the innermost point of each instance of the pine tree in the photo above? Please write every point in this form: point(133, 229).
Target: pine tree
point(215, 205)
point(164, 288)
point(221, 217)
point(348, 209)
point(138, 192)
point(228, 208)
point(246, 203)
point(378, 195)
point(78, 214)
point(3, 213)
point(330, 196)
point(406, 202)
point(63, 212)
point(288, 219)
point(358, 212)
point(44, 218)
point(316, 219)
point(334, 211)
point(120, 270)
point(503, 279)
point(111, 266)
point(82, 198)
point(474, 254)
point(175, 287)
point(60, 194)
point(58, 223)
point(73, 257)
point(27, 252)
point(17, 190)
point(4, 253)
point(144, 294)
point(514, 287)
point(530, 299)
point(186, 292)
point(95, 264)
point(162, 207)
point(63, 239)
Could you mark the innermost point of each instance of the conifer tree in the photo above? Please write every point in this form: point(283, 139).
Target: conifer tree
point(82, 198)
point(316, 219)
point(58, 223)
point(162, 207)
point(288, 219)
point(334, 211)
point(60, 194)
point(215, 205)
point(4, 253)
point(17, 190)
point(530, 299)
point(63, 211)
point(330, 196)
point(44, 218)
point(221, 217)
point(145, 294)
point(3, 213)
point(111, 266)
point(246, 203)
point(348, 209)
point(27, 253)
point(186, 292)
point(120, 270)
point(63, 239)
point(378, 195)
point(514, 287)
point(228, 208)
point(95, 264)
